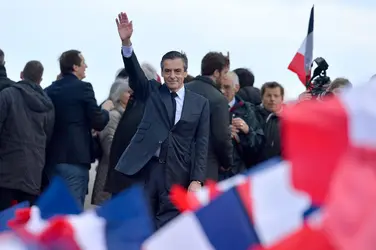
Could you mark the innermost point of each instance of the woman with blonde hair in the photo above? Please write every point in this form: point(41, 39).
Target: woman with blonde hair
point(120, 94)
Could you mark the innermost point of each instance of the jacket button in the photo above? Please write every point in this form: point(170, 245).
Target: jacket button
point(160, 142)
point(161, 161)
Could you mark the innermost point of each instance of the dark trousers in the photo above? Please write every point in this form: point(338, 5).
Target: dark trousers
point(152, 177)
point(159, 194)
point(9, 197)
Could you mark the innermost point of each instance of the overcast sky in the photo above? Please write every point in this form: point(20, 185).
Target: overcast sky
point(260, 35)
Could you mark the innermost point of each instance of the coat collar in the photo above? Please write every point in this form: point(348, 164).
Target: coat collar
point(3, 71)
point(208, 80)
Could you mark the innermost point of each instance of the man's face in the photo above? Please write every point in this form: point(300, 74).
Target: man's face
point(79, 71)
point(173, 73)
point(228, 88)
point(272, 99)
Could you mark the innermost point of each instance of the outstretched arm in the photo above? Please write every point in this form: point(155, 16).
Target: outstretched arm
point(137, 79)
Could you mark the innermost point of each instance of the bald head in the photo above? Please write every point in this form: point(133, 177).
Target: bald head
point(2, 60)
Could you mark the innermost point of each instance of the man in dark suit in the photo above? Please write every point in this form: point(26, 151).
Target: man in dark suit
point(175, 126)
point(70, 151)
point(214, 67)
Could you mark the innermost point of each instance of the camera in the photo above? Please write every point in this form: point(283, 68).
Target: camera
point(319, 81)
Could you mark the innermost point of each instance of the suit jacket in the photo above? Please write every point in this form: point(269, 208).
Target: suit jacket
point(127, 127)
point(189, 136)
point(220, 145)
point(76, 114)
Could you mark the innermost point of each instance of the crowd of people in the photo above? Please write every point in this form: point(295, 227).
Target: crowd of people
point(185, 131)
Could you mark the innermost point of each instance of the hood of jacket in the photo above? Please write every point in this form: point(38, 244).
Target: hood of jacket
point(36, 99)
point(3, 72)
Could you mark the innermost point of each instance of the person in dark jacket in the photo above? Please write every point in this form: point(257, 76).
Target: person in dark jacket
point(4, 80)
point(26, 126)
point(214, 67)
point(247, 92)
point(247, 133)
point(127, 127)
point(268, 112)
point(71, 150)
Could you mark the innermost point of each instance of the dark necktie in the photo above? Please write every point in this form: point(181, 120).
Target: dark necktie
point(173, 95)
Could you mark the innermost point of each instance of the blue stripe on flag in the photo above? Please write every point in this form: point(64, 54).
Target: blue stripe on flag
point(57, 200)
point(226, 223)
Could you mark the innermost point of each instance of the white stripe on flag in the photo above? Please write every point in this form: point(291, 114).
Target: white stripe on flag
point(89, 230)
point(277, 207)
point(359, 103)
point(183, 233)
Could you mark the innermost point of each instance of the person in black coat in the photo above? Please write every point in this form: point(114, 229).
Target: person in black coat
point(268, 115)
point(71, 150)
point(247, 91)
point(127, 127)
point(214, 67)
point(26, 126)
point(4, 80)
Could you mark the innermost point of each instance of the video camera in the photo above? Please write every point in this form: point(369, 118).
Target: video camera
point(317, 85)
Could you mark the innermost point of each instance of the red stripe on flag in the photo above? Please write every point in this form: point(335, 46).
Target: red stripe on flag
point(245, 194)
point(314, 137)
point(297, 66)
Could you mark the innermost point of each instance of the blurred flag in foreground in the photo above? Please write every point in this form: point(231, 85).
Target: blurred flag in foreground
point(9, 214)
point(336, 147)
point(275, 208)
point(121, 223)
point(223, 224)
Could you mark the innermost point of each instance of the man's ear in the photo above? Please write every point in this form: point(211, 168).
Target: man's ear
point(237, 87)
point(21, 75)
point(216, 73)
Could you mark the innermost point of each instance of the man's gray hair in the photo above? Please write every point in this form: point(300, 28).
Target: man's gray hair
point(149, 71)
point(120, 86)
point(234, 78)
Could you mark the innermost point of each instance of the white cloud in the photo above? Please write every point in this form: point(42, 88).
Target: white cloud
point(263, 36)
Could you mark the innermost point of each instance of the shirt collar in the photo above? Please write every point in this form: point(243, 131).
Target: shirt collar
point(180, 93)
point(232, 103)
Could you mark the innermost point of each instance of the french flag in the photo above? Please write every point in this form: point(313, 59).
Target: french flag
point(301, 63)
point(55, 201)
point(221, 225)
point(56, 222)
point(260, 192)
point(9, 214)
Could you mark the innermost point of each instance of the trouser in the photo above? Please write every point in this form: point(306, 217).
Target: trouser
point(76, 176)
point(159, 194)
point(10, 197)
point(152, 177)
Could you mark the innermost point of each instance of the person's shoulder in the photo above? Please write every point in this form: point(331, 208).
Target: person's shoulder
point(198, 97)
point(115, 114)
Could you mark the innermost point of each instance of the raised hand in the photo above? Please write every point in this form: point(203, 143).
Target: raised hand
point(125, 27)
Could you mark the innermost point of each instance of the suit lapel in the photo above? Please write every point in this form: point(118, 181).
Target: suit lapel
point(166, 99)
point(188, 100)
